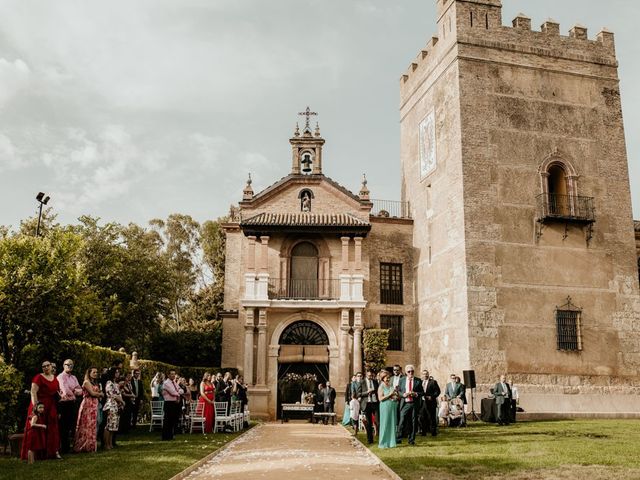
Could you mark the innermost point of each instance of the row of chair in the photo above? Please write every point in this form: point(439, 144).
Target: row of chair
point(195, 420)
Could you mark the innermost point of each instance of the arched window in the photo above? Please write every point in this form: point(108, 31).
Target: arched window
point(559, 186)
point(303, 278)
point(304, 332)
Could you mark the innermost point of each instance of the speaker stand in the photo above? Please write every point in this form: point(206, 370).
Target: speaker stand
point(473, 415)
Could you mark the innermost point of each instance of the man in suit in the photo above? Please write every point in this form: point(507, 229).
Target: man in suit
point(502, 392)
point(411, 391)
point(329, 398)
point(138, 390)
point(367, 392)
point(429, 405)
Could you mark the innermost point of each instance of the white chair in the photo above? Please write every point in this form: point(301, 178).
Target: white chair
point(157, 414)
point(222, 418)
point(247, 416)
point(236, 416)
point(196, 416)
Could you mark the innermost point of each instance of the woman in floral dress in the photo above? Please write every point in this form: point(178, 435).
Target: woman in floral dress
point(86, 433)
point(112, 408)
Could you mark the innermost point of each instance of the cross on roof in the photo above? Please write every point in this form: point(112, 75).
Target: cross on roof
point(307, 113)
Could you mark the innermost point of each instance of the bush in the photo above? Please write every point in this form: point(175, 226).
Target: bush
point(10, 387)
point(376, 341)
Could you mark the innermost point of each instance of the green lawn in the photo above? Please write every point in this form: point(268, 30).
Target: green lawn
point(139, 455)
point(583, 449)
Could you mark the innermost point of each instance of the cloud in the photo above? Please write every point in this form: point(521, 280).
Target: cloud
point(14, 76)
point(10, 157)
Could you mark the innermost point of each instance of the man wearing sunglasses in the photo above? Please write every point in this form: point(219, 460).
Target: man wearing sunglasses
point(410, 390)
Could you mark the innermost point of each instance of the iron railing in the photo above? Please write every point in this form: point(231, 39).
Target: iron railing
point(390, 208)
point(565, 207)
point(312, 289)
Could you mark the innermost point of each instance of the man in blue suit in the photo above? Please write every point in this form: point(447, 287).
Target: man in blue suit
point(410, 390)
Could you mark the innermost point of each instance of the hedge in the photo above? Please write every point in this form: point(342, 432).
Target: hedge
point(375, 341)
point(10, 385)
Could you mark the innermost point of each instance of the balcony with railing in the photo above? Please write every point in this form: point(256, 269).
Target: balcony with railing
point(390, 209)
point(568, 208)
point(312, 289)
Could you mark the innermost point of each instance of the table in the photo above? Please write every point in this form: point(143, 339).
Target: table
point(489, 411)
point(289, 408)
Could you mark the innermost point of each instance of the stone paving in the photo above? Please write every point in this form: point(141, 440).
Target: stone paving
point(293, 451)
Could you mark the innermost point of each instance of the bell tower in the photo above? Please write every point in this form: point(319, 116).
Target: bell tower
point(306, 148)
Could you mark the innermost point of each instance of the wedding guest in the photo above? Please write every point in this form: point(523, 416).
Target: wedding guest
point(429, 405)
point(515, 397)
point(186, 396)
point(44, 388)
point(388, 398)
point(138, 391)
point(368, 393)
point(35, 437)
point(354, 412)
point(171, 394)
point(156, 384)
point(443, 411)
point(397, 375)
point(207, 397)
point(410, 390)
point(240, 391)
point(112, 374)
point(70, 393)
point(220, 386)
point(329, 397)
point(502, 392)
point(85, 439)
point(348, 392)
point(228, 387)
point(112, 408)
point(193, 388)
point(128, 398)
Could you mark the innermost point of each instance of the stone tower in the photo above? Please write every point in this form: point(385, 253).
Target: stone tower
point(514, 161)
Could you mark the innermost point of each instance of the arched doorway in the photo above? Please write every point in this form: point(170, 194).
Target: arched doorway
point(303, 274)
point(558, 191)
point(303, 361)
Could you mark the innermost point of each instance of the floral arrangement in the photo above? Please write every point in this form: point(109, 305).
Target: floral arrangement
point(306, 382)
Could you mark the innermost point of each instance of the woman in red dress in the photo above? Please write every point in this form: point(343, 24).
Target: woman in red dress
point(44, 388)
point(207, 396)
point(36, 435)
point(86, 431)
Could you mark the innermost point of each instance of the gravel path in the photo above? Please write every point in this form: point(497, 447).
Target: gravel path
point(293, 451)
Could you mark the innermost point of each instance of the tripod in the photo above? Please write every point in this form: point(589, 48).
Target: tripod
point(473, 415)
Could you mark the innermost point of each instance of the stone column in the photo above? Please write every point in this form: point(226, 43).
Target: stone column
point(345, 254)
point(358, 254)
point(263, 274)
point(250, 274)
point(345, 376)
point(357, 340)
point(249, 329)
point(261, 364)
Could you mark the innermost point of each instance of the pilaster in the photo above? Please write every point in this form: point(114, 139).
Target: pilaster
point(249, 329)
point(261, 364)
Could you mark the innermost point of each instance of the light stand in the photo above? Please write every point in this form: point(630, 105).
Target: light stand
point(473, 414)
point(43, 200)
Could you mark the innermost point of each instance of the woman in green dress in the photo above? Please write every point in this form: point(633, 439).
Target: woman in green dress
point(388, 410)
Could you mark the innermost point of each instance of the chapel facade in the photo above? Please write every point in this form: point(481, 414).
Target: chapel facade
point(511, 251)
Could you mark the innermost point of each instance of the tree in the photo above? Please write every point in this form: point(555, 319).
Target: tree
point(45, 295)
point(376, 342)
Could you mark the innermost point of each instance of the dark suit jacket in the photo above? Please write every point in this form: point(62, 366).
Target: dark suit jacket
point(332, 395)
point(417, 388)
point(500, 393)
point(138, 392)
point(431, 389)
point(361, 391)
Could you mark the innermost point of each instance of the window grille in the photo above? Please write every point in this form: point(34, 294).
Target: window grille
point(394, 324)
point(568, 327)
point(391, 283)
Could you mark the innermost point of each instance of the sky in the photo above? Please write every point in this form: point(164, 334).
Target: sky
point(130, 111)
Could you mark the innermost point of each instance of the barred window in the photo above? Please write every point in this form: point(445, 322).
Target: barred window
point(394, 324)
point(391, 283)
point(568, 327)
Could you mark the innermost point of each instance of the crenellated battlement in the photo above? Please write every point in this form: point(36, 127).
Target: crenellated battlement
point(464, 24)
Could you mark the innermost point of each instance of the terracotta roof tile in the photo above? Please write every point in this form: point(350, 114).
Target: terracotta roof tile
point(305, 219)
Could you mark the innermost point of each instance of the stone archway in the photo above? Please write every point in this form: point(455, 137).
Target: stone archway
point(301, 327)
